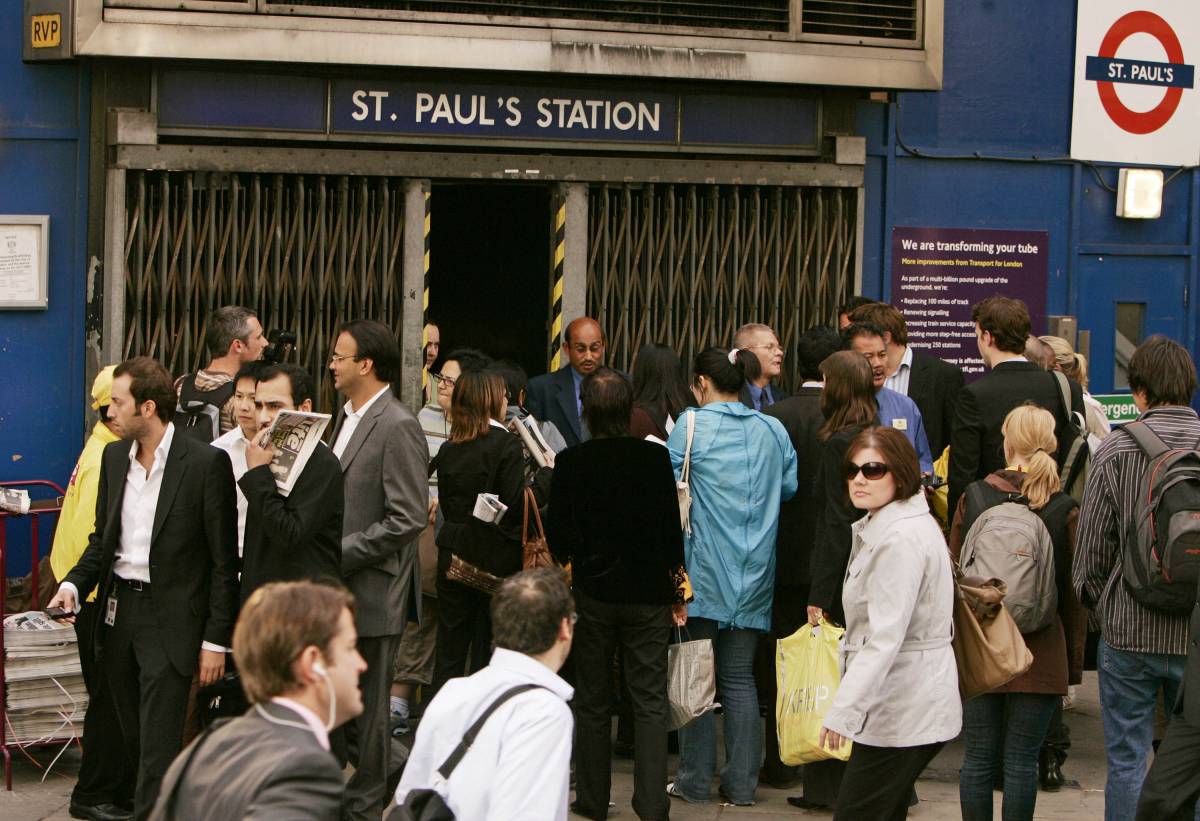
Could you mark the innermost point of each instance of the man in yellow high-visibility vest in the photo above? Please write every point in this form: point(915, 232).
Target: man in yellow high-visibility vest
point(104, 791)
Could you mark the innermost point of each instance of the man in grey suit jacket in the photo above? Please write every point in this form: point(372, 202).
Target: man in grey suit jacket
point(294, 648)
point(385, 470)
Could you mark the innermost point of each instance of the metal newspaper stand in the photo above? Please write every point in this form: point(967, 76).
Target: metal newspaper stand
point(37, 509)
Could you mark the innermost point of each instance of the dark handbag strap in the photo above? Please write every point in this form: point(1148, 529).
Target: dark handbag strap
point(472, 732)
point(531, 502)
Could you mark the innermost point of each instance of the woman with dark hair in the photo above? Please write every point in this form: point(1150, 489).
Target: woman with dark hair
point(660, 392)
point(481, 456)
point(848, 405)
point(740, 466)
point(898, 700)
point(614, 516)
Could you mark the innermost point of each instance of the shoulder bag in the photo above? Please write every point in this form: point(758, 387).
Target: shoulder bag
point(988, 646)
point(427, 804)
point(682, 490)
point(535, 552)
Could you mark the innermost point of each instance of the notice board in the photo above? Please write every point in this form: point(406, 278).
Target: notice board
point(938, 274)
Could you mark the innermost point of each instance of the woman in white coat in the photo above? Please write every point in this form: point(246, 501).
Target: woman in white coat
point(898, 701)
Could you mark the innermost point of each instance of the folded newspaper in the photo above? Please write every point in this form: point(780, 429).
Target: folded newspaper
point(14, 500)
point(295, 435)
point(531, 436)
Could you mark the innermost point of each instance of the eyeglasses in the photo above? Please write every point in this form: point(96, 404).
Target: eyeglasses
point(447, 380)
point(338, 357)
point(870, 470)
point(774, 347)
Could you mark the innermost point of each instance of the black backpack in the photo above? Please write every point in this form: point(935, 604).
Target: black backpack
point(1076, 453)
point(1161, 548)
point(198, 413)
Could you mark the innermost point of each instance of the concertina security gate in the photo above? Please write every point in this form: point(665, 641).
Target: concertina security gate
point(306, 252)
point(686, 265)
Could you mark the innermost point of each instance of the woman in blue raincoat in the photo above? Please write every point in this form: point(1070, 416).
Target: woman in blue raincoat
point(742, 465)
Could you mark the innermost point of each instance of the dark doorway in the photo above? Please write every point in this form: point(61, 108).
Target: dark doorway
point(490, 269)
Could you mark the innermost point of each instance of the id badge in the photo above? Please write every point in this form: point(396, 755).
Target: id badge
point(900, 424)
point(110, 610)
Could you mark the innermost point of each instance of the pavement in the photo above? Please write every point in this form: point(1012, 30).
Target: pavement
point(41, 794)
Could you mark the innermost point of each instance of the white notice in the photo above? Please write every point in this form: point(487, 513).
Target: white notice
point(20, 263)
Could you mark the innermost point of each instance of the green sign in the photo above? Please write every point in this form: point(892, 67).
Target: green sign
point(1118, 407)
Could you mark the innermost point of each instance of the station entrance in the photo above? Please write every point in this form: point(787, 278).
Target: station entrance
point(490, 263)
point(682, 263)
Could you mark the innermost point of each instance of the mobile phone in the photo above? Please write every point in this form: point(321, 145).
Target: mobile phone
point(57, 613)
point(933, 481)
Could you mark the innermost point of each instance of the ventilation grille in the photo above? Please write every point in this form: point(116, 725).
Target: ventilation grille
point(757, 15)
point(853, 19)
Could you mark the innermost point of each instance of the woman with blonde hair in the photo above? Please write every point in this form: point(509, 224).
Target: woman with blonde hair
point(1030, 700)
point(1074, 366)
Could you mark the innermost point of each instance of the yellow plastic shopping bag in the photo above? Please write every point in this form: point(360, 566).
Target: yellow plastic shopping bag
point(807, 672)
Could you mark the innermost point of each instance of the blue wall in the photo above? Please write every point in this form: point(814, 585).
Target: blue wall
point(43, 170)
point(1007, 89)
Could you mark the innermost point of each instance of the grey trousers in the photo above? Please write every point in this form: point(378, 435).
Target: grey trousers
point(367, 740)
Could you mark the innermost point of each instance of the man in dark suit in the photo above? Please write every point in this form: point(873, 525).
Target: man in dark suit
point(760, 394)
point(385, 461)
point(298, 536)
point(294, 648)
point(166, 521)
point(802, 418)
point(977, 445)
point(554, 397)
point(930, 382)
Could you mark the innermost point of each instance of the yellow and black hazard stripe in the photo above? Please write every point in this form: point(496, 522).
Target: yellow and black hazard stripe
point(556, 294)
point(425, 303)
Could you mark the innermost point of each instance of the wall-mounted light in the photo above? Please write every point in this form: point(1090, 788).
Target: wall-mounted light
point(1139, 193)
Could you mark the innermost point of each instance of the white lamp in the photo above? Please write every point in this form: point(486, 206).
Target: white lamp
point(1139, 193)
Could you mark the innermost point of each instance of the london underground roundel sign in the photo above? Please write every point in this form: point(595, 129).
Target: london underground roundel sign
point(1149, 57)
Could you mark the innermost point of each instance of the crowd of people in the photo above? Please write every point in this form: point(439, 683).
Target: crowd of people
point(398, 580)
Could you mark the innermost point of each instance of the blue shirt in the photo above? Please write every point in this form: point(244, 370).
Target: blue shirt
point(898, 411)
point(761, 397)
point(743, 465)
point(577, 378)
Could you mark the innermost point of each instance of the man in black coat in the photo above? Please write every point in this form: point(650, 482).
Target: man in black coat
point(801, 417)
point(164, 553)
point(930, 382)
point(298, 536)
point(977, 445)
point(554, 397)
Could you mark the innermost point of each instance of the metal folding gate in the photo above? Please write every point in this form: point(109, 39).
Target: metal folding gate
point(306, 252)
point(682, 264)
point(686, 265)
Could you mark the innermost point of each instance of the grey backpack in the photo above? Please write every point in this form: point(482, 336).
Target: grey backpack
point(1007, 540)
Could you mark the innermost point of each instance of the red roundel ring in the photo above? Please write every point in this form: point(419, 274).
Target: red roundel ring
point(1139, 122)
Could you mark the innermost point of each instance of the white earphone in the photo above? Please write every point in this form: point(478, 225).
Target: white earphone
point(319, 669)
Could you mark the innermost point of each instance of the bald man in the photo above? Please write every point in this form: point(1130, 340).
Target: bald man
point(554, 397)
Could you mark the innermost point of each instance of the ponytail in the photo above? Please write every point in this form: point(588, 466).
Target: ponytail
point(728, 370)
point(1029, 433)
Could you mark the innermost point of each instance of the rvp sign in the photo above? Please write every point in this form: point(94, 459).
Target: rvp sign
point(1135, 97)
point(45, 30)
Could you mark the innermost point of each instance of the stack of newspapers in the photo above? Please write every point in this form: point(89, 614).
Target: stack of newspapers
point(46, 697)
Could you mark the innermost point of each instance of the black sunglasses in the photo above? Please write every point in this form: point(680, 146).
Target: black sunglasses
point(870, 470)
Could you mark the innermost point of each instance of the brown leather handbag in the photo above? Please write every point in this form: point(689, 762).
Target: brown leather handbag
point(988, 645)
point(535, 551)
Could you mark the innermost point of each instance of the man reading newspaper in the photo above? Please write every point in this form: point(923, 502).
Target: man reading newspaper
point(297, 533)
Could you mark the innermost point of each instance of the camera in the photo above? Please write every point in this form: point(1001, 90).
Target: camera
point(282, 343)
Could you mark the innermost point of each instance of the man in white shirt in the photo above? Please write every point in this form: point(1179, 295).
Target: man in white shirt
point(235, 441)
point(518, 769)
point(164, 555)
point(295, 652)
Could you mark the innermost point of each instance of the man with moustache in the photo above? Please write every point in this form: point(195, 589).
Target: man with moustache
point(760, 394)
point(554, 397)
point(164, 555)
point(895, 409)
point(385, 464)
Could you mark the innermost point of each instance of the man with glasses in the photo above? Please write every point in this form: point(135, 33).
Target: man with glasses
point(760, 393)
point(554, 397)
point(385, 464)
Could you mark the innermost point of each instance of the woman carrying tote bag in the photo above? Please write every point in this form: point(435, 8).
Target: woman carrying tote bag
point(898, 700)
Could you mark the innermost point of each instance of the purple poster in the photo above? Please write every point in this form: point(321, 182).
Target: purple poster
point(939, 273)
